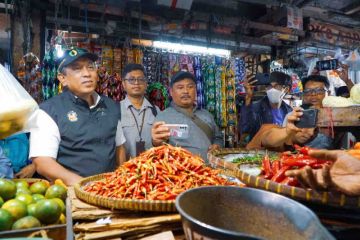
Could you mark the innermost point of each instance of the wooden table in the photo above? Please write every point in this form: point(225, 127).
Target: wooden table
point(124, 224)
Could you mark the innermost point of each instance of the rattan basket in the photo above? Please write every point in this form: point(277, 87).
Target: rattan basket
point(306, 195)
point(115, 203)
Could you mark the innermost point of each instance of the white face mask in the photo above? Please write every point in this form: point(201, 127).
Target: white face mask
point(275, 96)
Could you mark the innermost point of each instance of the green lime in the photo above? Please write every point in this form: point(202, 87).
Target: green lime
point(39, 187)
point(31, 209)
point(47, 211)
point(56, 191)
point(26, 222)
point(23, 190)
point(25, 198)
point(16, 208)
point(7, 189)
point(37, 197)
point(61, 204)
point(6, 220)
point(22, 184)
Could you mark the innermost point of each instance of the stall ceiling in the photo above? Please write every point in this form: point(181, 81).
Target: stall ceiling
point(114, 18)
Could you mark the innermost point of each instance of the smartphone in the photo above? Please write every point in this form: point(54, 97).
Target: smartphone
point(262, 79)
point(327, 65)
point(308, 119)
point(178, 130)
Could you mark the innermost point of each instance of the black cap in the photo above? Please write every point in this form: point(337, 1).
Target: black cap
point(280, 78)
point(180, 76)
point(72, 54)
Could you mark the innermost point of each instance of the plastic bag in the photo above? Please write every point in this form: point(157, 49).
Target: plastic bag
point(16, 105)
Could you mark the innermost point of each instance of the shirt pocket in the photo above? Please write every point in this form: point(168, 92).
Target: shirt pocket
point(127, 121)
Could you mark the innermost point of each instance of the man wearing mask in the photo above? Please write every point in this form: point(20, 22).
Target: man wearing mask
point(271, 109)
point(137, 113)
point(77, 132)
point(203, 134)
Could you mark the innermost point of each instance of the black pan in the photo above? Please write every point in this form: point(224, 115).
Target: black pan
point(225, 212)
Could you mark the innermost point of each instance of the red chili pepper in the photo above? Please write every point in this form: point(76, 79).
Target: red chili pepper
point(280, 175)
point(275, 166)
point(266, 165)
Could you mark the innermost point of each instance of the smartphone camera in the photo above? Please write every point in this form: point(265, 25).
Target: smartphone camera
point(327, 65)
point(308, 119)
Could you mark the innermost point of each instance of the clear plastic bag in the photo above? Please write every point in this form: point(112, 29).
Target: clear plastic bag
point(16, 105)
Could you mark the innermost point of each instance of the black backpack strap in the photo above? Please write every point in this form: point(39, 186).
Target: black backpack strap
point(153, 110)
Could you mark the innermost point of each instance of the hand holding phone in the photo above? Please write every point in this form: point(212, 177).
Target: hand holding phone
point(308, 119)
point(324, 65)
point(178, 130)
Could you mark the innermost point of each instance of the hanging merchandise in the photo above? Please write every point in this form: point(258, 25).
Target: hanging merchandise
point(240, 73)
point(296, 85)
point(29, 74)
point(117, 60)
point(150, 61)
point(186, 63)
point(138, 56)
point(157, 94)
point(107, 58)
point(231, 126)
point(174, 64)
point(164, 67)
point(220, 98)
point(199, 83)
point(110, 85)
point(50, 83)
point(353, 61)
point(208, 69)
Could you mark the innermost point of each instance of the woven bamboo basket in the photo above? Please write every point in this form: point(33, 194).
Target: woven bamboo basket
point(115, 203)
point(307, 195)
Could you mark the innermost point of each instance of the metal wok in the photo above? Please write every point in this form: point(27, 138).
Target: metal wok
point(225, 212)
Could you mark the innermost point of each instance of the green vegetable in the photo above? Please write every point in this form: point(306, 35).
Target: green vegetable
point(252, 159)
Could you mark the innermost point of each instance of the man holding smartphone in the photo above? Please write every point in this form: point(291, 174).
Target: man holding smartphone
point(269, 110)
point(202, 132)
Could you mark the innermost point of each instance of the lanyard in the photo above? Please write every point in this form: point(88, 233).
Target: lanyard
point(137, 125)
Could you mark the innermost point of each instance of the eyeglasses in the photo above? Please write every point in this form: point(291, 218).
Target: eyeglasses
point(314, 91)
point(136, 80)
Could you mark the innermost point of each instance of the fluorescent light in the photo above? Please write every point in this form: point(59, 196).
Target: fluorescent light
point(177, 47)
point(59, 50)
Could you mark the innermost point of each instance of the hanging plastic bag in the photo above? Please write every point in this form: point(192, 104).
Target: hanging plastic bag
point(16, 104)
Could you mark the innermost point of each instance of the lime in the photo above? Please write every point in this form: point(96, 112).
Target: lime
point(31, 209)
point(47, 211)
point(16, 208)
point(37, 197)
point(39, 187)
point(1, 201)
point(25, 198)
point(61, 204)
point(26, 222)
point(22, 184)
point(56, 191)
point(24, 190)
point(7, 189)
point(6, 220)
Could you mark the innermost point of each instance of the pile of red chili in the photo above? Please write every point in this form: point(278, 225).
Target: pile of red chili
point(275, 171)
point(159, 173)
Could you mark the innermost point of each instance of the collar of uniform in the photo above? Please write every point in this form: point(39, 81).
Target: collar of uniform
point(145, 104)
point(77, 100)
point(172, 104)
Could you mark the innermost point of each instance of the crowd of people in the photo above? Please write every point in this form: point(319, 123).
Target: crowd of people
point(80, 133)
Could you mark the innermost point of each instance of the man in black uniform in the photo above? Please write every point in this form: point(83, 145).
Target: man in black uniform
point(78, 132)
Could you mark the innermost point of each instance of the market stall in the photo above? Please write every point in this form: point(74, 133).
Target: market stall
point(168, 192)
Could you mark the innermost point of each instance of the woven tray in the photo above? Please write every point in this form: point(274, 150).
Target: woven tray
point(115, 203)
point(307, 195)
